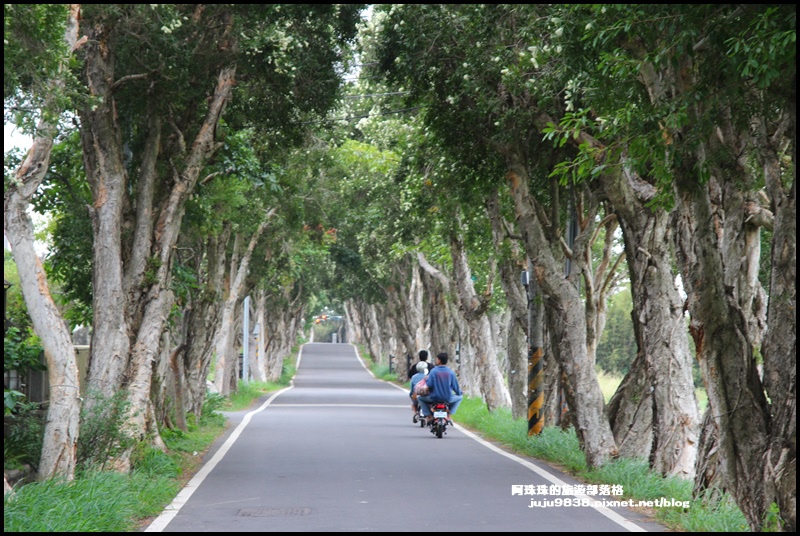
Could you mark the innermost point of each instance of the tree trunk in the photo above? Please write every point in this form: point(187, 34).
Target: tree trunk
point(716, 256)
point(720, 329)
point(416, 311)
point(253, 372)
point(406, 303)
point(661, 374)
point(517, 368)
point(178, 376)
point(436, 288)
point(498, 325)
point(62, 422)
point(554, 405)
point(130, 343)
point(450, 331)
point(660, 330)
point(353, 322)
point(394, 321)
point(780, 340)
point(373, 334)
point(568, 328)
point(487, 372)
point(709, 481)
point(510, 269)
point(222, 379)
point(259, 346)
point(63, 413)
point(204, 311)
point(105, 170)
point(630, 411)
point(224, 332)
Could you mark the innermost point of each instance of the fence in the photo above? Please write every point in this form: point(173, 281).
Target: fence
point(33, 383)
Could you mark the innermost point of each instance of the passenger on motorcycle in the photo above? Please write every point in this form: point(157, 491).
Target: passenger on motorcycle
point(422, 370)
point(444, 387)
point(423, 358)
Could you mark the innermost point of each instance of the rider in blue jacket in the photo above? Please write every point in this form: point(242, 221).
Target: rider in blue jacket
point(444, 387)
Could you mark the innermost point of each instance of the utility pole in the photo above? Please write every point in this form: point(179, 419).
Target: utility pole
point(246, 339)
point(535, 353)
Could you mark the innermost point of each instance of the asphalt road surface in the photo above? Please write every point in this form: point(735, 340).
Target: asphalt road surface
point(338, 451)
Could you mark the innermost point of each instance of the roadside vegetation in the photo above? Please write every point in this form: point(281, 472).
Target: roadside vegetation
point(560, 448)
point(108, 501)
point(395, 168)
point(111, 502)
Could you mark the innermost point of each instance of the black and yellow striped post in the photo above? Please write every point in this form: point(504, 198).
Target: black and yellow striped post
point(535, 392)
point(535, 354)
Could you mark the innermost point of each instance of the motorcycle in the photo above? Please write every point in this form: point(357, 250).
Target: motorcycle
point(441, 418)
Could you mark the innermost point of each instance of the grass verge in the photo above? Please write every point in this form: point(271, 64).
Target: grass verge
point(382, 372)
point(561, 449)
point(112, 502)
point(104, 501)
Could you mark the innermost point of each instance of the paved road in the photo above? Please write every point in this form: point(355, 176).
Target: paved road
point(338, 451)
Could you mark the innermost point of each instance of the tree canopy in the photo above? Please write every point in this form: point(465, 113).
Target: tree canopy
point(401, 169)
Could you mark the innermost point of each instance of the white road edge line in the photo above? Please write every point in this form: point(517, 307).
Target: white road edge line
point(612, 515)
point(182, 498)
point(627, 524)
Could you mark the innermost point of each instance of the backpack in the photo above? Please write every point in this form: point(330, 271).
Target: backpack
point(421, 388)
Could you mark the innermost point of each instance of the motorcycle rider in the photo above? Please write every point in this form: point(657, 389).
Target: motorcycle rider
point(444, 387)
point(421, 371)
point(423, 358)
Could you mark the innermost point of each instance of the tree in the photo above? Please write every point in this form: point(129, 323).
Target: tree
point(719, 95)
point(61, 427)
point(486, 126)
point(617, 349)
point(153, 123)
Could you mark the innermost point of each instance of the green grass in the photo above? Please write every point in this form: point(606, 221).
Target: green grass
point(610, 382)
point(114, 502)
point(96, 502)
point(106, 501)
point(247, 393)
point(561, 448)
point(382, 372)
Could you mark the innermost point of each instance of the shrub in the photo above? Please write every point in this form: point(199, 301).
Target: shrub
point(103, 434)
point(22, 442)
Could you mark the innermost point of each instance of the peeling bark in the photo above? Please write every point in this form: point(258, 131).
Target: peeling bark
point(735, 394)
point(124, 347)
point(105, 170)
point(224, 342)
point(661, 335)
point(61, 424)
point(567, 327)
point(486, 369)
